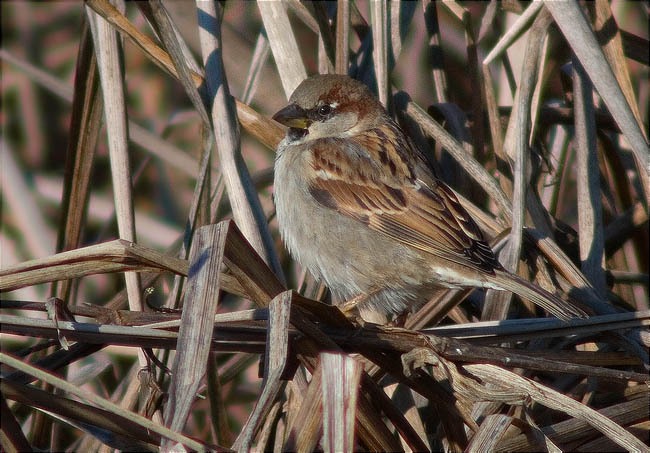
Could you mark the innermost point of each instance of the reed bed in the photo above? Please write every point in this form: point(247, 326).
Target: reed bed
point(148, 304)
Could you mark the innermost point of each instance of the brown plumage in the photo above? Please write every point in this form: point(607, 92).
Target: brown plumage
point(360, 208)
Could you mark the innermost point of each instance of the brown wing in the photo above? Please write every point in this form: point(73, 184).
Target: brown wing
point(376, 185)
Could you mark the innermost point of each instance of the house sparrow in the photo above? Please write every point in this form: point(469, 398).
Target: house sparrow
point(359, 207)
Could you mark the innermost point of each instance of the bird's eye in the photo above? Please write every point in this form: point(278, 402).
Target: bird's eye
point(324, 110)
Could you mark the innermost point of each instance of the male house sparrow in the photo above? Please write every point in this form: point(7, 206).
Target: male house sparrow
point(360, 208)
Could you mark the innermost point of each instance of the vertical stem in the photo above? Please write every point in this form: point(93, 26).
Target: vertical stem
point(591, 235)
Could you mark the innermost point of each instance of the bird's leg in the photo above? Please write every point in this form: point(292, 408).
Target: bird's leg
point(400, 320)
point(357, 310)
point(350, 308)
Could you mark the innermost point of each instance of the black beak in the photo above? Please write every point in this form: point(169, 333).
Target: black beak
point(293, 116)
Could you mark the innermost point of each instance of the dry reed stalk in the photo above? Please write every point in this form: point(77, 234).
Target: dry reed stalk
point(553, 177)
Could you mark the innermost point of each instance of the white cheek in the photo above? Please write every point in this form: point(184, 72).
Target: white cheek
point(339, 125)
point(319, 130)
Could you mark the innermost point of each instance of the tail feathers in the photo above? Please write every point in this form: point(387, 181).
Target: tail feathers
point(551, 303)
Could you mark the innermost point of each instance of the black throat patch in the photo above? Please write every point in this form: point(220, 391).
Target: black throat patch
point(295, 133)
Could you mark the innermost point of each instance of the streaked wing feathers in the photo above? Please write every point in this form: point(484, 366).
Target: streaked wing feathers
point(356, 180)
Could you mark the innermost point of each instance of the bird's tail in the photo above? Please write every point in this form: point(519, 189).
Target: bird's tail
point(551, 303)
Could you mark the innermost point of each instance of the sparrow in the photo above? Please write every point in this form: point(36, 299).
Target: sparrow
point(359, 207)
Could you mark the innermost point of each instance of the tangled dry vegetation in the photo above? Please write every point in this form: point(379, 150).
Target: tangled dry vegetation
point(115, 119)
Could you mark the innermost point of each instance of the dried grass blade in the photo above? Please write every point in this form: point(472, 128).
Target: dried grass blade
point(260, 57)
point(163, 150)
point(401, 18)
point(558, 155)
point(306, 425)
point(441, 305)
point(188, 56)
point(635, 47)
point(478, 100)
point(487, 20)
point(195, 332)
point(462, 351)
point(573, 430)
point(199, 198)
point(85, 124)
point(514, 32)
point(249, 339)
point(640, 430)
point(455, 411)
point(216, 396)
point(326, 37)
point(89, 332)
point(489, 434)
point(303, 14)
point(539, 436)
point(528, 329)
point(456, 121)
point(580, 37)
point(341, 378)
point(494, 119)
point(266, 131)
point(455, 8)
point(517, 134)
point(11, 436)
point(274, 425)
point(409, 426)
point(110, 74)
point(435, 51)
point(111, 14)
point(590, 221)
point(171, 39)
point(257, 279)
point(619, 228)
point(114, 256)
point(581, 289)
point(536, 99)
point(99, 401)
point(380, 43)
point(244, 199)
point(129, 433)
point(372, 430)
point(342, 37)
point(555, 400)
point(283, 44)
point(516, 146)
point(276, 358)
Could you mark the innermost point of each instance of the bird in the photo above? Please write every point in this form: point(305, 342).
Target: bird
point(360, 208)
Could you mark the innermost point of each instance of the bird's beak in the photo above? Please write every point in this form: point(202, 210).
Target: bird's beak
point(293, 116)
